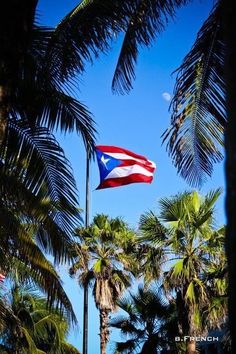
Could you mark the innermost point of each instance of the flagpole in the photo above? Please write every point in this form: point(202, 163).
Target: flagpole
point(87, 208)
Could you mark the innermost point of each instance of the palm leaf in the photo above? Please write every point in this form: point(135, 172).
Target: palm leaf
point(67, 348)
point(28, 207)
point(146, 19)
point(151, 228)
point(32, 265)
point(51, 107)
point(81, 35)
point(128, 346)
point(195, 137)
point(34, 156)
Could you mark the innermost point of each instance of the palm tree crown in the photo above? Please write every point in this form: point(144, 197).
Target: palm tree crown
point(149, 323)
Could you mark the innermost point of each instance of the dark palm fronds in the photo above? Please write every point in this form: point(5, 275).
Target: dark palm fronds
point(32, 158)
point(87, 30)
point(82, 35)
point(145, 20)
point(40, 98)
point(195, 137)
point(149, 224)
point(147, 322)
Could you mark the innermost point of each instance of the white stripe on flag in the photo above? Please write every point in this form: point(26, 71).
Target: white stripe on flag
point(121, 156)
point(127, 171)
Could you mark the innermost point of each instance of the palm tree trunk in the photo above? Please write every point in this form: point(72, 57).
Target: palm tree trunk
point(229, 22)
point(104, 331)
point(191, 347)
point(3, 113)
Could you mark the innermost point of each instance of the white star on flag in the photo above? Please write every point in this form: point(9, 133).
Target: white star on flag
point(104, 161)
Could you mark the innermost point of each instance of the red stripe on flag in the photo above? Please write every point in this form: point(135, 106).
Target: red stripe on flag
point(2, 277)
point(144, 164)
point(117, 182)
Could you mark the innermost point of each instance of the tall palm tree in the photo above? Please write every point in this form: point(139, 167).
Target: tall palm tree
point(149, 323)
point(28, 326)
point(103, 265)
point(193, 252)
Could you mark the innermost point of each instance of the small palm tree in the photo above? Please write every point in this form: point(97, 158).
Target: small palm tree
point(28, 326)
point(103, 265)
point(22, 259)
point(149, 323)
point(193, 251)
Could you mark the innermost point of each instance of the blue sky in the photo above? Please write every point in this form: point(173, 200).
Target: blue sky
point(135, 122)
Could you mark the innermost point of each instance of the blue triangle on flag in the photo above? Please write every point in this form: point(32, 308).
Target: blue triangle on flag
point(106, 163)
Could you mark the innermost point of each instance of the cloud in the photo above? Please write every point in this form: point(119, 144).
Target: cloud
point(166, 96)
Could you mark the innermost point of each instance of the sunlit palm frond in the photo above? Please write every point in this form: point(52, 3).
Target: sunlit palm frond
point(193, 257)
point(25, 261)
point(32, 326)
point(195, 137)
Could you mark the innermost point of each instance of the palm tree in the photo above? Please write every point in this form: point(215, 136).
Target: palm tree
point(22, 257)
point(192, 249)
point(103, 265)
point(37, 184)
point(28, 326)
point(34, 101)
point(149, 323)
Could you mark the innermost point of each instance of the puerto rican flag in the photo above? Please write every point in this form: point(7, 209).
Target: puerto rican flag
point(118, 167)
point(2, 278)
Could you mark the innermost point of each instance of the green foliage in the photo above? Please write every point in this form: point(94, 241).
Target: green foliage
point(192, 263)
point(29, 326)
point(104, 262)
point(195, 137)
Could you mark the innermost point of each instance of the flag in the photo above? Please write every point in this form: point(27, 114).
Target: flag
point(2, 278)
point(119, 166)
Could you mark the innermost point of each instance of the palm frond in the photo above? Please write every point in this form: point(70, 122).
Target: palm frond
point(34, 156)
point(195, 137)
point(81, 35)
point(31, 264)
point(151, 228)
point(51, 107)
point(27, 206)
point(67, 348)
point(146, 19)
point(126, 347)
